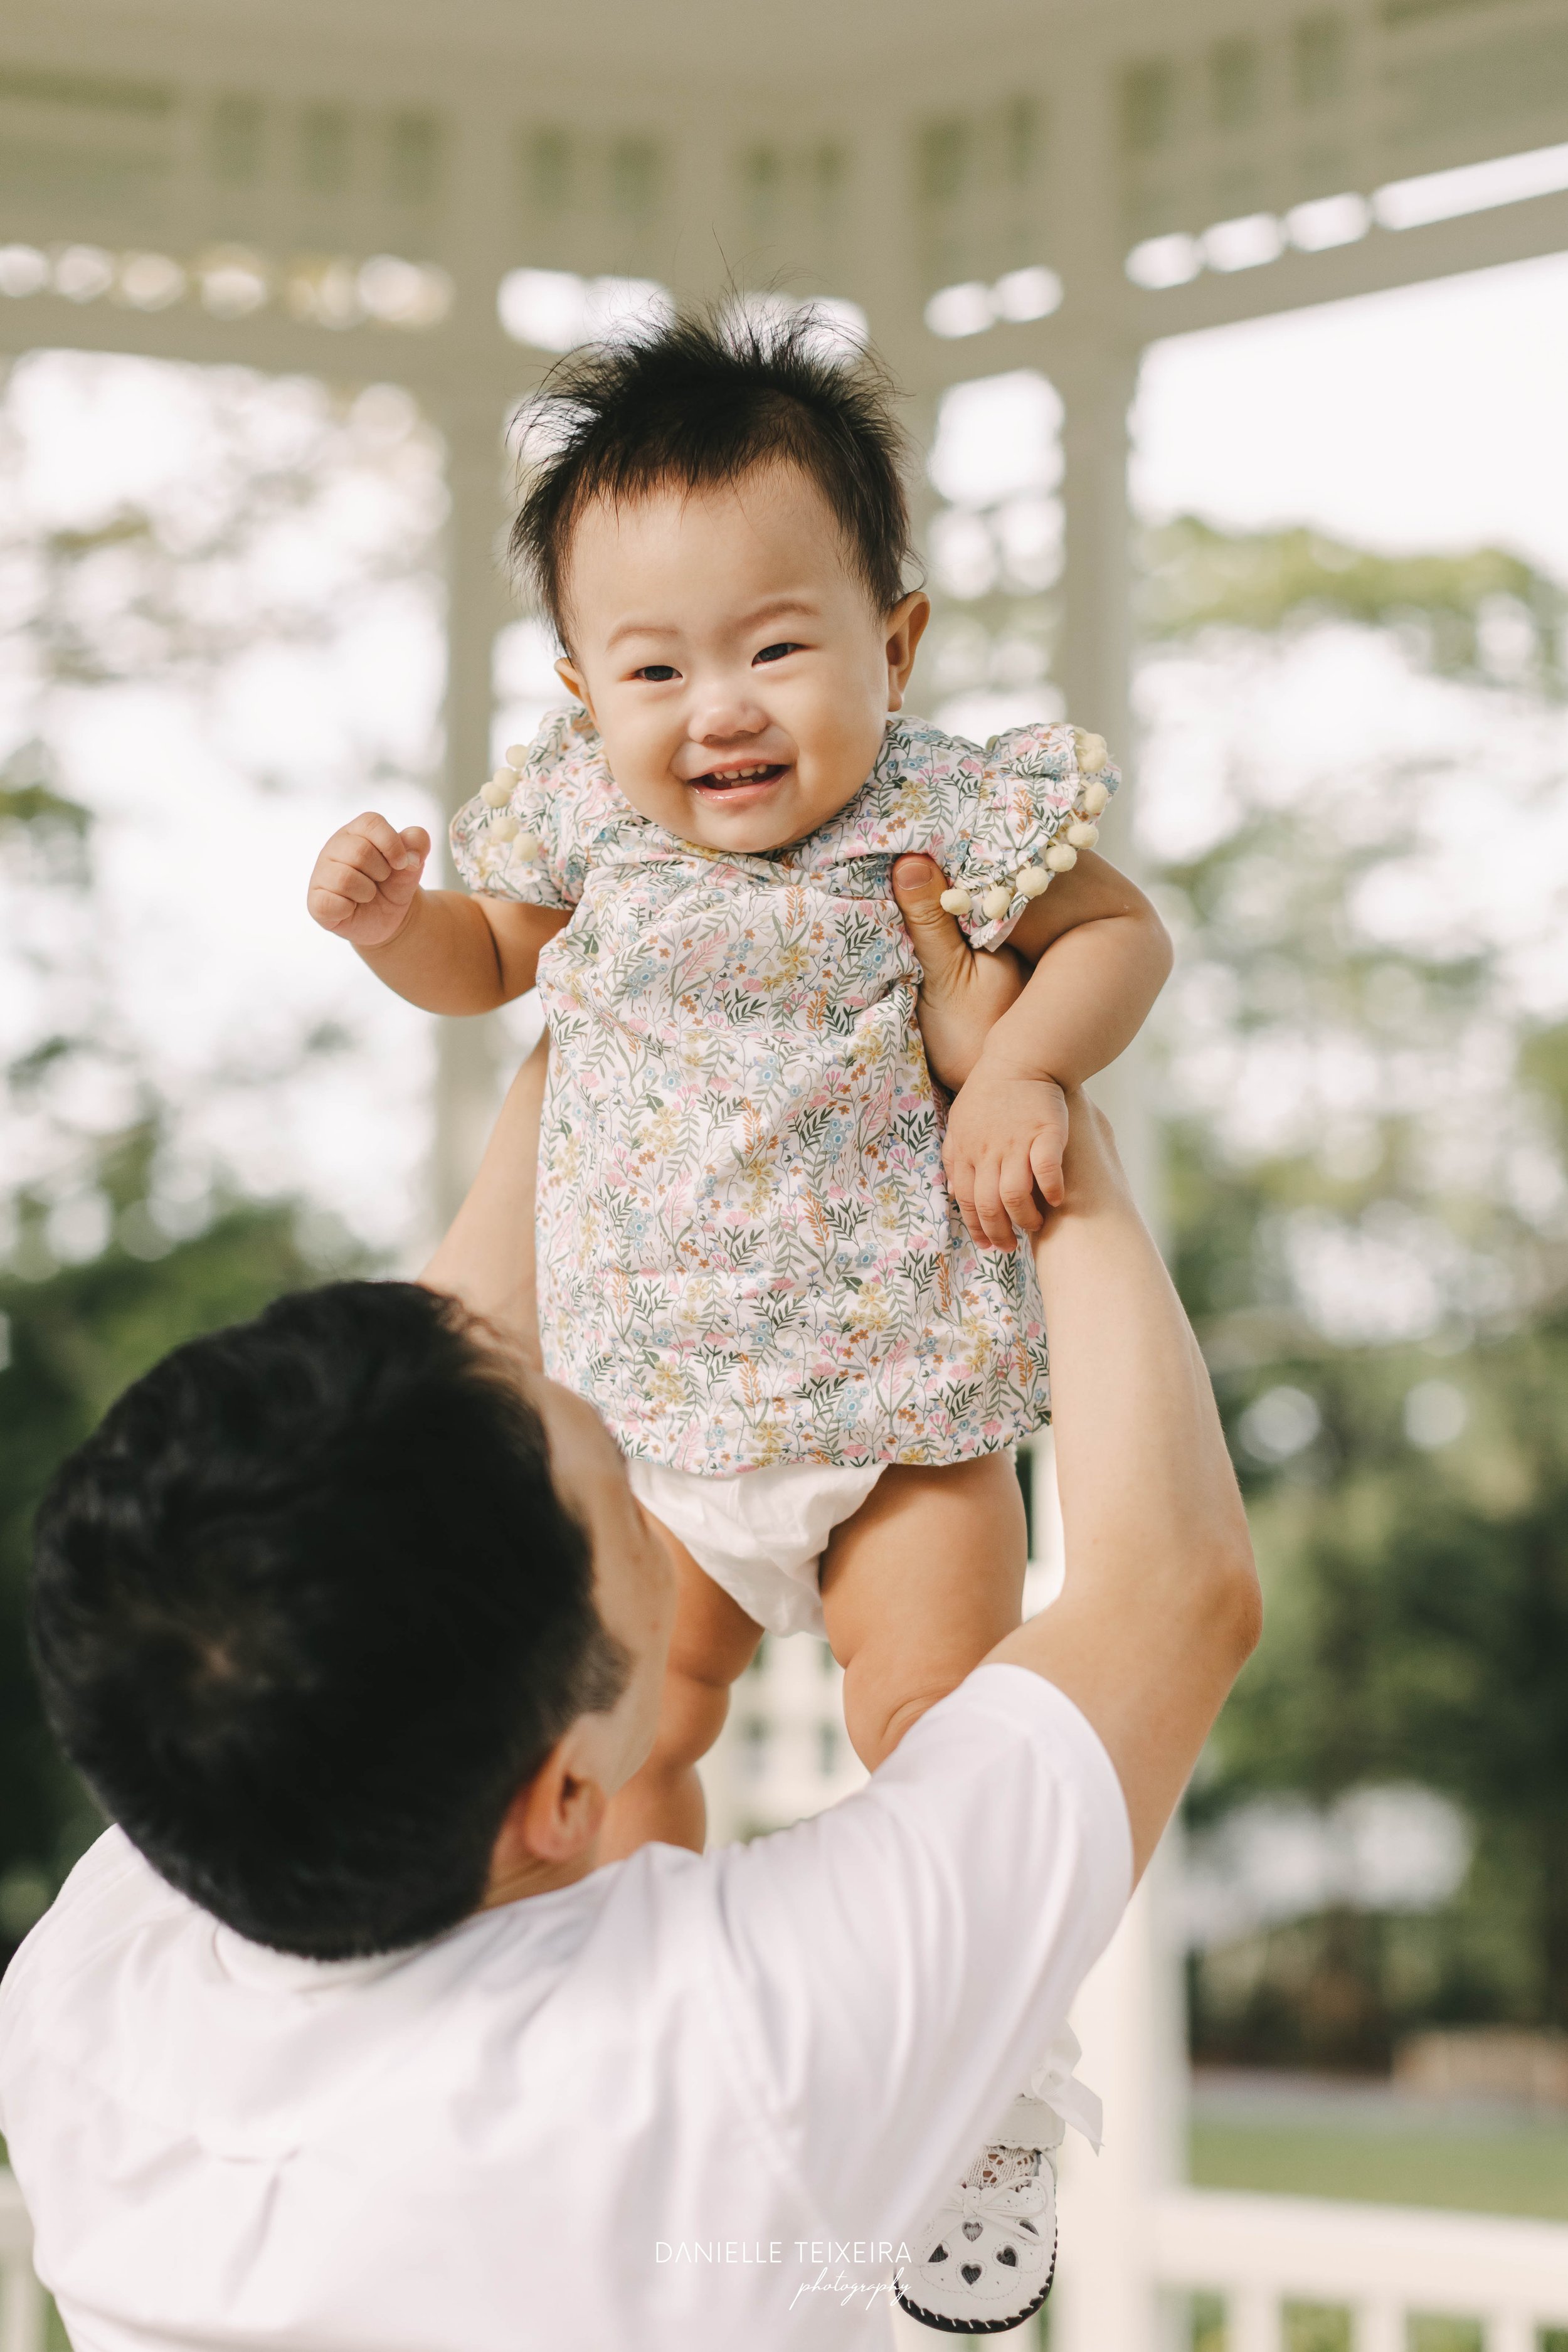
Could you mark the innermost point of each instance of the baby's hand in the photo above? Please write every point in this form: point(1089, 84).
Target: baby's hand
point(1005, 1137)
point(365, 879)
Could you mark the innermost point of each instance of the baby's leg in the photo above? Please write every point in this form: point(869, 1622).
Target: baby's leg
point(714, 1640)
point(917, 1587)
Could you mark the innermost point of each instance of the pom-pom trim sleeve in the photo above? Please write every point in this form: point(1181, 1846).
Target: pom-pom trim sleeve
point(1038, 797)
point(519, 837)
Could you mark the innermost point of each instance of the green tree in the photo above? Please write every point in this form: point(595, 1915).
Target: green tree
point(75, 1335)
point(168, 592)
point(1416, 1573)
point(74, 1340)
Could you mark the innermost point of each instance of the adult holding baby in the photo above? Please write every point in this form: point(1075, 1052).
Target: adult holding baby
point(787, 1279)
point(786, 1275)
point(355, 1627)
point(354, 1623)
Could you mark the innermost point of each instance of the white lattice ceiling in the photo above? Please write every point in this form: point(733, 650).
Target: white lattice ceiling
point(833, 147)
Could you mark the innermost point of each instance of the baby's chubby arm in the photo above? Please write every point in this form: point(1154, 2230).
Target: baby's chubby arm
point(1101, 957)
point(450, 950)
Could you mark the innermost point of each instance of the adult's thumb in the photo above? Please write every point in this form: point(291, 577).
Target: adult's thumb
point(918, 885)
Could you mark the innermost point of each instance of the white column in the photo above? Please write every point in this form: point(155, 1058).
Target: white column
point(1380, 2326)
point(22, 2301)
point(1128, 2018)
point(1252, 2320)
point(1129, 2014)
point(467, 1066)
point(1096, 378)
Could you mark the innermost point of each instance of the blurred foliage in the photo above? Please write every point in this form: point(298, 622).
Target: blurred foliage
point(266, 538)
point(1315, 2328)
point(263, 515)
point(1485, 614)
point(36, 806)
point(75, 1339)
point(1416, 1579)
point(72, 1336)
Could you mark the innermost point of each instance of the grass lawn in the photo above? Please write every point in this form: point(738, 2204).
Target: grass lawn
point(1481, 2166)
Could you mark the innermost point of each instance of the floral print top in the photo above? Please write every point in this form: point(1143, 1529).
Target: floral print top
point(747, 1250)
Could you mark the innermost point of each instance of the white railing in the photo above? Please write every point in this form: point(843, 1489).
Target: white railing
point(1137, 2243)
point(1386, 2264)
point(22, 2305)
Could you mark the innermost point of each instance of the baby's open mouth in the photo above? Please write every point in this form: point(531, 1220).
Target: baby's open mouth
point(726, 779)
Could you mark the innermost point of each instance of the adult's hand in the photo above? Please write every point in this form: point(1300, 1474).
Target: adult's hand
point(962, 995)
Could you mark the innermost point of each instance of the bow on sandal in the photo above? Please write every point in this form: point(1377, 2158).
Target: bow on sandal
point(989, 2254)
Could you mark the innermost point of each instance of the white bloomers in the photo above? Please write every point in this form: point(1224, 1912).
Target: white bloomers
point(760, 1536)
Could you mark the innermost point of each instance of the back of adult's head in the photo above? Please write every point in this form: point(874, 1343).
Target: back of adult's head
point(308, 1611)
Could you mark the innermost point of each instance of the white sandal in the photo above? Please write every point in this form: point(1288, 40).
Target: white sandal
point(989, 2255)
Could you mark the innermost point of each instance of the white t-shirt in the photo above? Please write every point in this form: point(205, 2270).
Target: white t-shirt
point(669, 2105)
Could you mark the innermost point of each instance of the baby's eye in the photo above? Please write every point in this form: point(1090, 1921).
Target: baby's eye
point(657, 673)
point(775, 652)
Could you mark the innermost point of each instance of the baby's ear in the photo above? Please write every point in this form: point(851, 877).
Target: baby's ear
point(905, 627)
point(572, 678)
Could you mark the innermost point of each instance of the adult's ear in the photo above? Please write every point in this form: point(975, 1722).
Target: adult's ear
point(551, 1821)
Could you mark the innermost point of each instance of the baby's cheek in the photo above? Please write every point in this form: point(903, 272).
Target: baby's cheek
point(639, 758)
point(834, 759)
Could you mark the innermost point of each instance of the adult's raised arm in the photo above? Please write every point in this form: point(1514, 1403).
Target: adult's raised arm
point(1160, 1608)
point(487, 1258)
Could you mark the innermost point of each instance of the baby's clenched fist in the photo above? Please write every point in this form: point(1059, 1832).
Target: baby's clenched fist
point(366, 880)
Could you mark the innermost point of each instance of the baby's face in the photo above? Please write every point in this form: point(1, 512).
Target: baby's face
point(734, 663)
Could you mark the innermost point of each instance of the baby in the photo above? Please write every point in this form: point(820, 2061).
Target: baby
point(815, 1347)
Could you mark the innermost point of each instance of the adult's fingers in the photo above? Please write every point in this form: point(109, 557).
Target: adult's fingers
point(943, 952)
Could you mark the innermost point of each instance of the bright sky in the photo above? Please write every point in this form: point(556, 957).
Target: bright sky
point(1430, 417)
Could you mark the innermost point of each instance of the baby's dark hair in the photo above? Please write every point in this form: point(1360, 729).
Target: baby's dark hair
point(701, 403)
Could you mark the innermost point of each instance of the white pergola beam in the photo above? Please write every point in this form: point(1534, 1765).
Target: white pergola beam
point(1131, 318)
point(454, 363)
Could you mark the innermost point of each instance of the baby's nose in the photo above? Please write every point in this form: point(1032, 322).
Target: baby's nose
point(726, 719)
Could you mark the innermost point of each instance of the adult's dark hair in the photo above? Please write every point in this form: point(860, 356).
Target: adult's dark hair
point(308, 1611)
point(701, 403)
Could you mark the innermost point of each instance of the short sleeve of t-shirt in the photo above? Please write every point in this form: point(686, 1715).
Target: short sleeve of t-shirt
point(894, 1970)
point(1003, 823)
point(528, 833)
